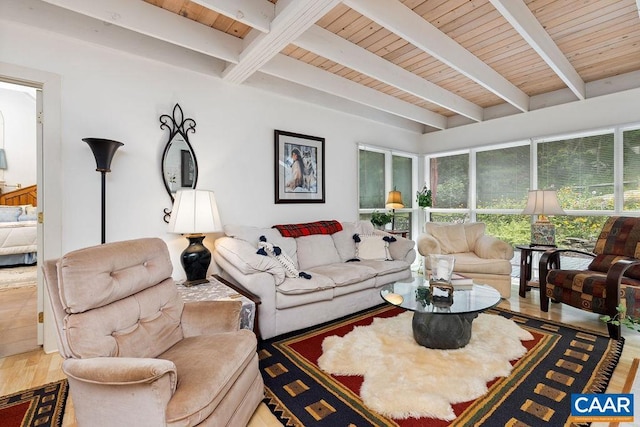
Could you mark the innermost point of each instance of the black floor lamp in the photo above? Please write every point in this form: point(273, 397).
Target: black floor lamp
point(103, 151)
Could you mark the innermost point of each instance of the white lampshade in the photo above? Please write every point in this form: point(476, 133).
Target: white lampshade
point(195, 212)
point(543, 202)
point(394, 200)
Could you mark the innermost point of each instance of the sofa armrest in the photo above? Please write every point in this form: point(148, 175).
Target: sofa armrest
point(210, 317)
point(402, 249)
point(244, 258)
point(428, 245)
point(490, 247)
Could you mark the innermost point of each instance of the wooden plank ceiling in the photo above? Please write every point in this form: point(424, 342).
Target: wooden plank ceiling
point(440, 63)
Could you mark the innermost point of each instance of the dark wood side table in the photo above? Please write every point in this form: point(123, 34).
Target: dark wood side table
point(219, 288)
point(402, 233)
point(526, 258)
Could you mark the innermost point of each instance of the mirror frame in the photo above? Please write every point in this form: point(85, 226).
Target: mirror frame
point(177, 124)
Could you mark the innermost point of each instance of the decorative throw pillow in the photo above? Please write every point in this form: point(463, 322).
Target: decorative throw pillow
point(372, 247)
point(269, 249)
point(10, 213)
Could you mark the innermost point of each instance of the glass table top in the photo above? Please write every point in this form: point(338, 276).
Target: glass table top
point(415, 295)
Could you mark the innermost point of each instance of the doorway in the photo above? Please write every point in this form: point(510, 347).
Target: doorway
point(20, 329)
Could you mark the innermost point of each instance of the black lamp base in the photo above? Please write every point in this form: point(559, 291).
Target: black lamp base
point(196, 259)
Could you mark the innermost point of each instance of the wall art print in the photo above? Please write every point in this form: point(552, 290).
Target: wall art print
point(299, 168)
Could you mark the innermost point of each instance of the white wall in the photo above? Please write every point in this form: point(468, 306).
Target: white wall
point(594, 113)
point(19, 109)
point(109, 94)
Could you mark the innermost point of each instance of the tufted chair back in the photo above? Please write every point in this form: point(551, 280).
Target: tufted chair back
point(118, 300)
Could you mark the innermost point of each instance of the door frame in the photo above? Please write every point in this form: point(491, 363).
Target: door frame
point(49, 182)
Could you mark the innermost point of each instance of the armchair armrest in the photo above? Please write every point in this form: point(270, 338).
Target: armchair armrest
point(120, 370)
point(490, 247)
point(207, 317)
point(427, 245)
point(108, 385)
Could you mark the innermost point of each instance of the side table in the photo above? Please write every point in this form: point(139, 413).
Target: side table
point(526, 258)
point(218, 288)
point(401, 233)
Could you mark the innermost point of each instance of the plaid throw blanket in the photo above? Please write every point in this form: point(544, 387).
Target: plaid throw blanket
point(309, 228)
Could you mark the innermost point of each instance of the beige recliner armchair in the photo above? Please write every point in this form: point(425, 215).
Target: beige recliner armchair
point(484, 258)
point(136, 354)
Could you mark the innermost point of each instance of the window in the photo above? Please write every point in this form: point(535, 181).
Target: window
point(580, 169)
point(631, 170)
point(502, 177)
point(450, 181)
point(381, 171)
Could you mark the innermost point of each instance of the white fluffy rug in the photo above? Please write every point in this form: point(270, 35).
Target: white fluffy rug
point(17, 277)
point(403, 379)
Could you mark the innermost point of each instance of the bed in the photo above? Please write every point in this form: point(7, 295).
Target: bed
point(18, 227)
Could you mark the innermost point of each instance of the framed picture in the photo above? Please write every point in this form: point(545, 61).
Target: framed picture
point(299, 168)
point(187, 168)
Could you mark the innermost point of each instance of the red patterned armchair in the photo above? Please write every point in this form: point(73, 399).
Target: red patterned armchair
point(612, 277)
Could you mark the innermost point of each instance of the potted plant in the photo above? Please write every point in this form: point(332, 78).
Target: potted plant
point(423, 197)
point(380, 219)
point(622, 319)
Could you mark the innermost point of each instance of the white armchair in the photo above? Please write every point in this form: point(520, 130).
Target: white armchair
point(484, 258)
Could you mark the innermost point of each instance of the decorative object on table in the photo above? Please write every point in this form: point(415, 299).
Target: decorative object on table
point(103, 151)
point(38, 406)
point(441, 268)
point(299, 168)
point(461, 282)
point(195, 212)
point(380, 219)
point(297, 357)
point(543, 203)
point(423, 197)
point(394, 201)
point(179, 164)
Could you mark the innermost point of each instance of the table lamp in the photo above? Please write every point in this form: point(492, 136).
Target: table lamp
point(394, 201)
point(543, 203)
point(194, 213)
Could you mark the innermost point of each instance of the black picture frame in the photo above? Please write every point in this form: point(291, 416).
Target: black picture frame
point(299, 168)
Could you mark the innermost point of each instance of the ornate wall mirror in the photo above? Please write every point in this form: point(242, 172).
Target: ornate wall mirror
point(179, 165)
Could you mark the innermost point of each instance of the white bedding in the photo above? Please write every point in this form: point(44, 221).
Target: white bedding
point(18, 237)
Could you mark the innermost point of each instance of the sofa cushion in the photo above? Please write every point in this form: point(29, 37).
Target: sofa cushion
point(343, 240)
point(294, 286)
point(372, 247)
point(315, 250)
point(452, 237)
point(473, 231)
point(385, 267)
point(207, 366)
point(400, 248)
point(472, 263)
point(344, 274)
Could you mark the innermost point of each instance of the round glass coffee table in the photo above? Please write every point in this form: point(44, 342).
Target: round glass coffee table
point(441, 320)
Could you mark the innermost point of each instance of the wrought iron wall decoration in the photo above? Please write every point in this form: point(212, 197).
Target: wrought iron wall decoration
point(179, 164)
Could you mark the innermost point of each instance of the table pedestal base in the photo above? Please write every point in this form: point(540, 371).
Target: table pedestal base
point(442, 331)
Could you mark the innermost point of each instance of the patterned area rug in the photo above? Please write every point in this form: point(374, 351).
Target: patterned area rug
point(42, 406)
point(560, 360)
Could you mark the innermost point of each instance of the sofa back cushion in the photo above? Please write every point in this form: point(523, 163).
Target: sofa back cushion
point(619, 239)
point(120, 300)
point(343, 241)
point(316, 250)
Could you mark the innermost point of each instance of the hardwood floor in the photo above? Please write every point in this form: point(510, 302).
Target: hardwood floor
point(35, 368)
point(18, 320)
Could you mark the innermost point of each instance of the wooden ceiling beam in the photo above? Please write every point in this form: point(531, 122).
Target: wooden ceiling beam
point(161, 24)
point(293, 17)
point(257, 14)
point(337, 49)
point(296, 71)
point(401, 20)
point(520, 17)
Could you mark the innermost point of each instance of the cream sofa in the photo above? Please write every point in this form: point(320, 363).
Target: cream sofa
point(484, 258)
point(338, 285)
